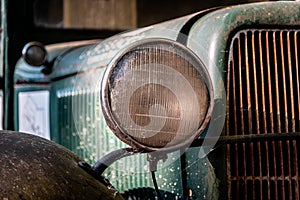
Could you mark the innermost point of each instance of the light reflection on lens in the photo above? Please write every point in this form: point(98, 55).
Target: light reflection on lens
point(158, 94)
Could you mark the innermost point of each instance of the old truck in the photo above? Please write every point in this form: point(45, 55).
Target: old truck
point(205, 106)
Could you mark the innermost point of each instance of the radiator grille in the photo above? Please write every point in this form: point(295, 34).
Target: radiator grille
point(83, 130)
point(263, 98)
point(81, 127)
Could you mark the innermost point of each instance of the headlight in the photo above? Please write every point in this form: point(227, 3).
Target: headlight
point(157, 95)
point(35, 54)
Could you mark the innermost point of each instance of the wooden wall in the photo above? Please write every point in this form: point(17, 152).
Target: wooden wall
point(153, 11)
point(120, 14)
point(100, 14)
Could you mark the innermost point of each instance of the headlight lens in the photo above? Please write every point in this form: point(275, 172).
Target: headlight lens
point(156, 95)
point(35, 54)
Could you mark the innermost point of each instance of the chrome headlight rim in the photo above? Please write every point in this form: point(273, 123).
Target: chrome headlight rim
point(116, 127)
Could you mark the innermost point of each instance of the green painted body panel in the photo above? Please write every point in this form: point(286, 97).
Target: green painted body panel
point(78, 57)
point(76, 118)
point(209, 37)
point(80, 126)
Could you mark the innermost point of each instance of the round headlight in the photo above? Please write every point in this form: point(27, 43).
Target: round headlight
point(157, 95)
point(35, 54)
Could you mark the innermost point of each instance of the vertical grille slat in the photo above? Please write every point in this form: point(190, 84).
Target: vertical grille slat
point(248, 103)
point(284, 83)
point(297, 77)
point(250, 106)
point(257, 116)
point(272, 113)
point(297, 92)
point(281, 106)
point(263, 98)
point(290, 82)
point(261, 71)
point(290, 71)
point(269, 85)
point(277, 118)
point(262, 75)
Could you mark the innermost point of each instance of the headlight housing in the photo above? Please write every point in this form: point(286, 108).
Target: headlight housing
point(157, 95)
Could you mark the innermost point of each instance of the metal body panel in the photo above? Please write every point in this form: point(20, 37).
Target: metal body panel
point(211, 43)
point(26, 73)
point(77, 121)
point(209, 39)
point(75, 116)
point(75, 57)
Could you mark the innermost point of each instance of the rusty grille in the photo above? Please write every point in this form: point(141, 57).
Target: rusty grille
point(263, 98)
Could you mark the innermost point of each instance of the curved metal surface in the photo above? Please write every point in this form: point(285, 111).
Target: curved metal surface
point(123, 134)
point(26, 73)
point(35, 168)
point(75, 57)
point(209, 41)
point(210, 35)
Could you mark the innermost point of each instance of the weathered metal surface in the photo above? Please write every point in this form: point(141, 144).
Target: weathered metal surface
point(26, 73)
point(208, 39)
point(210, 43)
point(35, 168)
point(98, 55)
point(183, 83)
point(76, 117)
point(80, 56)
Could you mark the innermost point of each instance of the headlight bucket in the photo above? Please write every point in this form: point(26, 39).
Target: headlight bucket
point(157, 95)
